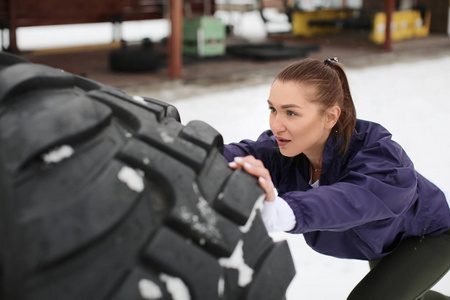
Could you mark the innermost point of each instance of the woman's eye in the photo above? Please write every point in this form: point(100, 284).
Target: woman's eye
point(291, 113)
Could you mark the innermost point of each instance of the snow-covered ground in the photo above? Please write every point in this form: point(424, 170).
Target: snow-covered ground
point(410, 99)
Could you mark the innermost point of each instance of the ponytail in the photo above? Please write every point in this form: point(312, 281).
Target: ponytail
point(345, 126)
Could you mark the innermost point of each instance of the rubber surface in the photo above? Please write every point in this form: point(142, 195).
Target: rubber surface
point(109, 196)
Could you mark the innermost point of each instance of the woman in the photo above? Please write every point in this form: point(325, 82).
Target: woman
point(346, 185)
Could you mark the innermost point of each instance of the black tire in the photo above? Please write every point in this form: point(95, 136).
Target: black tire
point(131, 59)
point(108, 196)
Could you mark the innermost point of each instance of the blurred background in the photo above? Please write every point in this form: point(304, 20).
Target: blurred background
point(215, 61)
point(126, 43)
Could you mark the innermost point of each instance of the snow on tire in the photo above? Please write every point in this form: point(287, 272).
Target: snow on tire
point(108, 196)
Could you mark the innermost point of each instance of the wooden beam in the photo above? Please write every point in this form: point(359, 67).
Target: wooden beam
point(389, 6)
point(13, 27)
point(176, 39)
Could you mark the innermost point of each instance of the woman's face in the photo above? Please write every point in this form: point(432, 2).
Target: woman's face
point(298, 124)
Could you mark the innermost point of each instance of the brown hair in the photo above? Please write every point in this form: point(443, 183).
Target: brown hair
point(331, 89)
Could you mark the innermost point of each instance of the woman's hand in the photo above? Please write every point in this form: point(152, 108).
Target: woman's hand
point(256, 168)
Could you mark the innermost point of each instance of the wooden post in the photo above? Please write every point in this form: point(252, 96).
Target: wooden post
point(176, 39)
point(13, 27)
point(389, 9)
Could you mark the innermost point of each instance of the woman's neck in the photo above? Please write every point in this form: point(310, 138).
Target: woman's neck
point(316, 165)
point(315, 160)
point(315, 154)
point(316, 168)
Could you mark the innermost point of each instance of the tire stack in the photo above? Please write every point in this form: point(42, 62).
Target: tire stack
point(108, 196)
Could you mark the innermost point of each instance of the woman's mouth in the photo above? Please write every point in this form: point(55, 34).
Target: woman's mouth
point(282, 141)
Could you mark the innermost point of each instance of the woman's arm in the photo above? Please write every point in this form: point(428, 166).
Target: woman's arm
point(378, 183)
point(265, 143)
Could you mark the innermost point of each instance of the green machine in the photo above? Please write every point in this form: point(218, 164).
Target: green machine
point(204, 36)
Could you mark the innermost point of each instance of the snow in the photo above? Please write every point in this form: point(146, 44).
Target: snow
point(413, 107)
point(221, 286)
point(43, 37)
point(58, 154)
point(176, 287)
point(140, 100)
point(259, 204)
point(236, 261)
point(149, 290)
point(168, 139)
point(132, 178)
point(207, 224)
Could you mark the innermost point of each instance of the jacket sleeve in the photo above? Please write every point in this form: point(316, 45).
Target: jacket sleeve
point(378, 183)
point(256, 148)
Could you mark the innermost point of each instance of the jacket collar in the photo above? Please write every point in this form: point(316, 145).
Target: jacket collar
point(333, 162)
point(330, 161)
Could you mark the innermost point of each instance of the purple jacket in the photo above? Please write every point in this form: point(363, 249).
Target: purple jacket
point(368, 201)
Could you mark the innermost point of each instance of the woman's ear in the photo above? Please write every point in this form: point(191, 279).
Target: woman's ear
point(332, 116)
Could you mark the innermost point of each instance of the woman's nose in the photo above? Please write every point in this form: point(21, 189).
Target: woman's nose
point(276, 124)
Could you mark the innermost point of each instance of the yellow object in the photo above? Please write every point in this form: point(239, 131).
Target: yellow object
point(301, 21)
point(422, 27)
point(405, 24)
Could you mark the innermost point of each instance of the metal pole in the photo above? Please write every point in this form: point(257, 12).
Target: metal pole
point(176, 39)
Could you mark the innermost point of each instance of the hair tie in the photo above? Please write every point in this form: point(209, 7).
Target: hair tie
point(329, 60)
